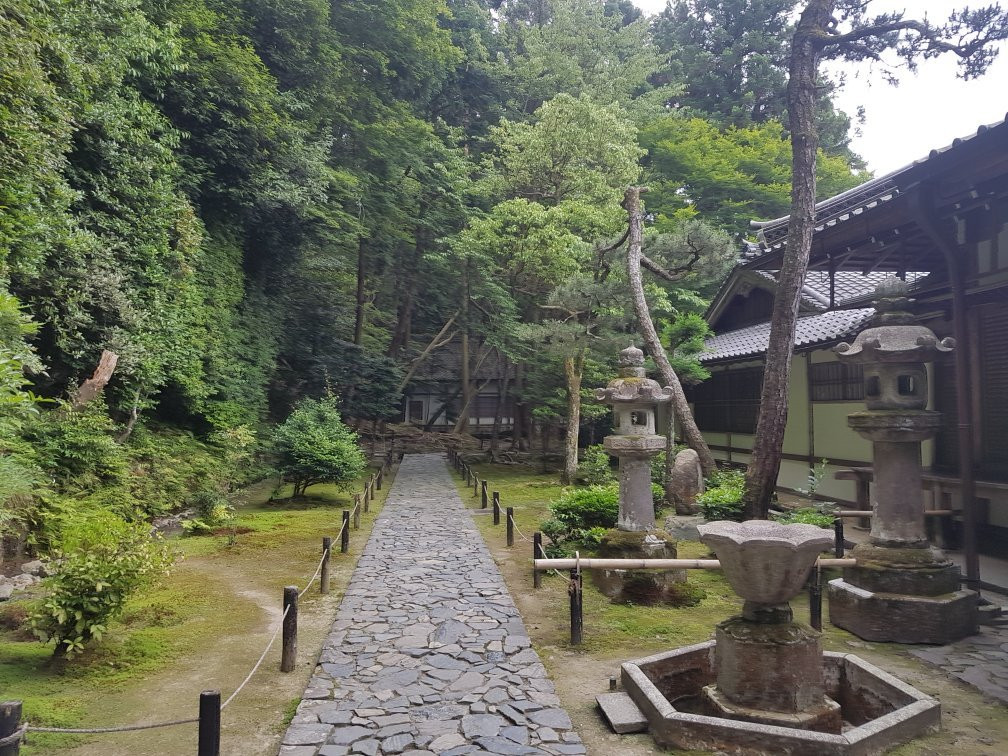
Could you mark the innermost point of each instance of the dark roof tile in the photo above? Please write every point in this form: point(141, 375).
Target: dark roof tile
point(809, 331)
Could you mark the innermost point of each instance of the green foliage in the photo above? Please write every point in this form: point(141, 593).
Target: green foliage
point(76, 448)
point(213, 510)
point(595, 466)
point(733, 57)
point(578, 512)
point(722, 499)
point(807, 516)
point(727, 175)
point(314, 446)
point(102, 560)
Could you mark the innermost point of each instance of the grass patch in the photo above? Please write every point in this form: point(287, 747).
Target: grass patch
point(206, 599)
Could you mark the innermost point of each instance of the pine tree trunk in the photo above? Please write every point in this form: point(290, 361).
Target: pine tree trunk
point(679, 404)
point(358, 331)
point(573, 370)
point(462, 422)
point(518, 427)
point(764, 464)
point(503, 380)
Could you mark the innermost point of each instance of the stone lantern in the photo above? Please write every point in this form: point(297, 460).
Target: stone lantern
point(634, 398)
point(902, 589)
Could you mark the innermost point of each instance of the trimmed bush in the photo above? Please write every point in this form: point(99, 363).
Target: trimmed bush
point(723, 498)
point(316, 447)
point(806, 516)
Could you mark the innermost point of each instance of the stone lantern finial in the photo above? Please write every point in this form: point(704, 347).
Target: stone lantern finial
point(631, 363)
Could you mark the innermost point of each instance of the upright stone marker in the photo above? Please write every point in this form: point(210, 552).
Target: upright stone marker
point(634, 397)
point(902, 589)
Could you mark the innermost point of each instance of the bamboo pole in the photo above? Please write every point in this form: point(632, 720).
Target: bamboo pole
point(869, 513)
point(656, 564)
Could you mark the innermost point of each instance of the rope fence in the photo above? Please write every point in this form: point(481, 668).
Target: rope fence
point(13, 731)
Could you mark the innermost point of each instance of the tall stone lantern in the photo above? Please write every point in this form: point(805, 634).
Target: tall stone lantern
point(902, 589)
point(634, 398)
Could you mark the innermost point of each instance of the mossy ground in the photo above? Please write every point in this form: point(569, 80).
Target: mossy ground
point(616, 633)
point(202, 627)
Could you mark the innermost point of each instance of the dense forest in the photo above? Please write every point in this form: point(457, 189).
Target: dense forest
point(247, 202)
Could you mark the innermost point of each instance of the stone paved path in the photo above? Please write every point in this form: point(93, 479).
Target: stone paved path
point(428, 654)
point(980, 660)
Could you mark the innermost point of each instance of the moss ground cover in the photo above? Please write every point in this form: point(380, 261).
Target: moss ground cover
point(201, 628)
point(614, 633)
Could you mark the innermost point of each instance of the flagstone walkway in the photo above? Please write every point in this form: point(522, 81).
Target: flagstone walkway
point(428, 654)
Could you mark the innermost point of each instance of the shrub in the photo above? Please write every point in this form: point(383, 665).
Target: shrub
point(213, 510)
point(595, 466)
point(102, 560)
point(722, 500)
point(76, 448)
point(579, 511)
point(315, 446)
point(807, 516)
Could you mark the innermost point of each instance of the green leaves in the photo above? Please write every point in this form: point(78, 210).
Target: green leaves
point(101, 561)
point(315, 446)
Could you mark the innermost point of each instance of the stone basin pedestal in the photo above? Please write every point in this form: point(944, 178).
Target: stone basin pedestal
point(764, 685)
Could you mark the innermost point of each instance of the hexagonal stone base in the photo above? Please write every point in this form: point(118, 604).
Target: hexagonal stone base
point(900, 618)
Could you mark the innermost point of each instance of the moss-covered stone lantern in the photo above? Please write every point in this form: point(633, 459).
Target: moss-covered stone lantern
point(634, 398)
point(902, 588)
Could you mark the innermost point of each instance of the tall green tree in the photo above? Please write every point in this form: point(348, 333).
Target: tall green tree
point(838, 29)
point(733, 59)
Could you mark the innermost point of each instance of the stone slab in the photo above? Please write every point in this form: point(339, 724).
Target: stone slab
point(622, 714)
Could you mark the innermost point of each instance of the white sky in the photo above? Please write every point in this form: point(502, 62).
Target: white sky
point(926, 110)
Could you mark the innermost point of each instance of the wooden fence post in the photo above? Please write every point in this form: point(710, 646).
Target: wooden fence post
point(289, 653)
point(838, 538)
point(576, 619)
point(510, 526)
point(209, 723)
point(815, 598)
point(483, 495)
point(356, 518)
point(324, 574)
point(344, 541)
point(496, 507)
point(536, 553)
point(378, 480)
point(10, 722)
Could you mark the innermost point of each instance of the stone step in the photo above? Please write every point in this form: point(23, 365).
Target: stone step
point(991, 614)
point(622, 713)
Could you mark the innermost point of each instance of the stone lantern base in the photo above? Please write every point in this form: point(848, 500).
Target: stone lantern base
point(901, 618)
point(903, 595)
point(642, 587)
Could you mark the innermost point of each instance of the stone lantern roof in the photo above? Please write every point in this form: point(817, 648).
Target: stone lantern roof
point(893, 336)
point(632, 385)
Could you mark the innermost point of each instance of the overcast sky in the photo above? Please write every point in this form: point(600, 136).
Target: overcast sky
point(926, 110)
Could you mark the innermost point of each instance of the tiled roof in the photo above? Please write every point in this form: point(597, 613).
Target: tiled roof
point(752, 340)
point(849, 284)
point(852, 203)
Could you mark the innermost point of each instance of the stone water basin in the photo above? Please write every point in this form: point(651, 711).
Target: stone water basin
point(878, 710)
